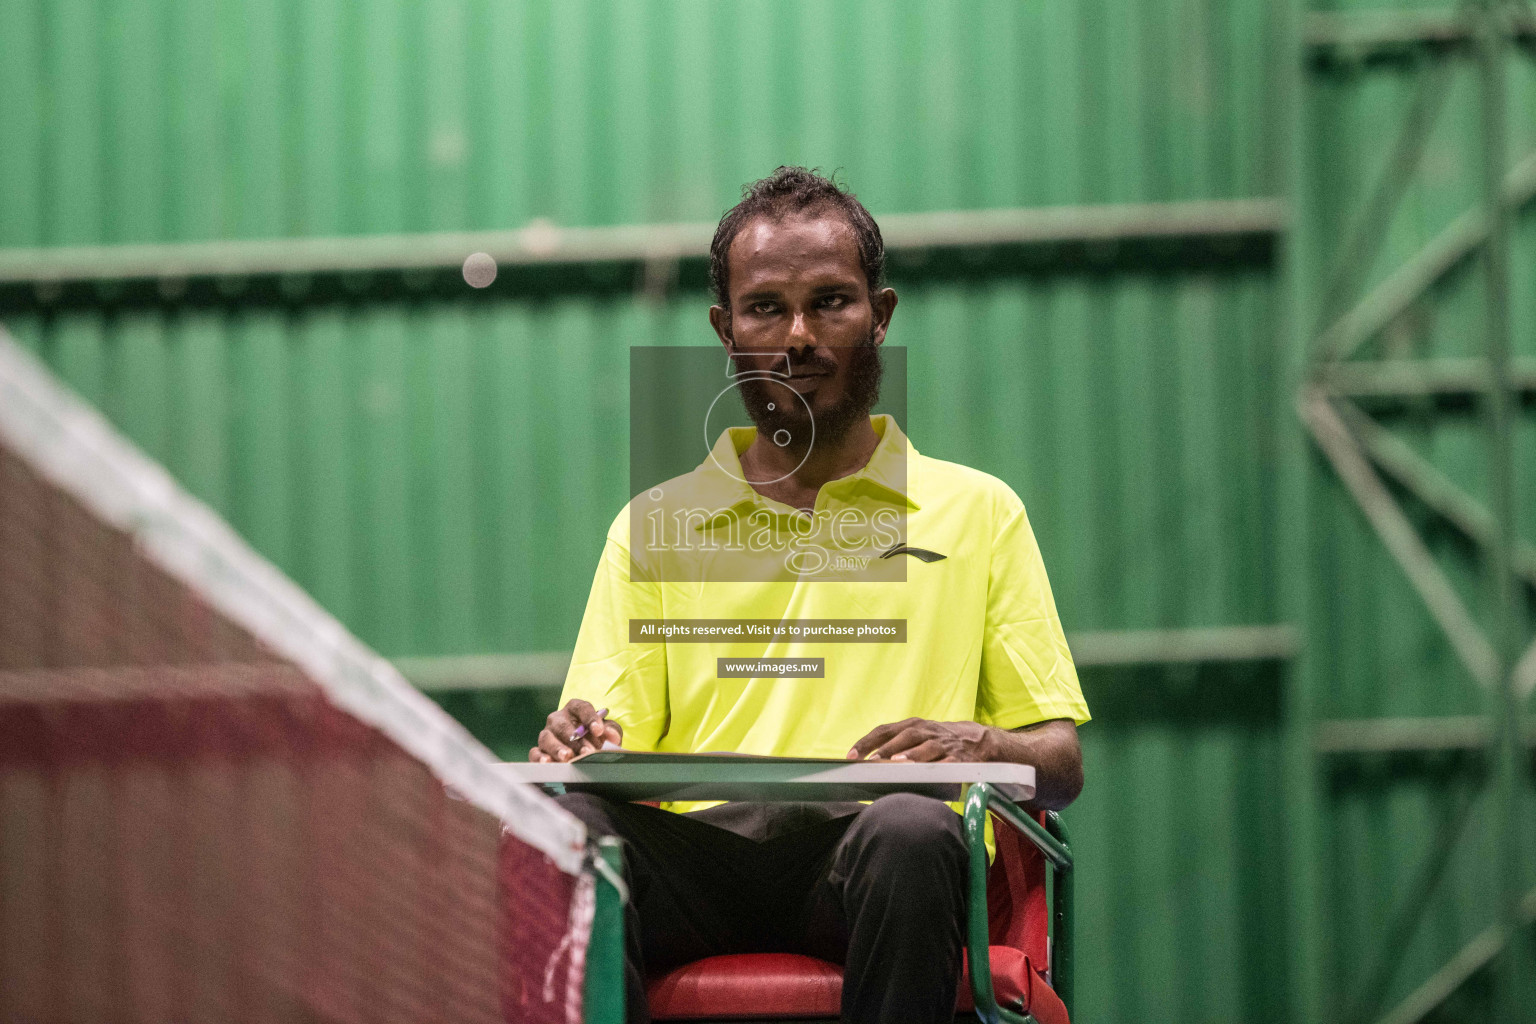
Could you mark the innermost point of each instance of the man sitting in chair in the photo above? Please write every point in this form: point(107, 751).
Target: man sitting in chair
point(984, 673)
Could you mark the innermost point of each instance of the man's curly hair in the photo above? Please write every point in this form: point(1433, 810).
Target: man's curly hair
point(790, 190)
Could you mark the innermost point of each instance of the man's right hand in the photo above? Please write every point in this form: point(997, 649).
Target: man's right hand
point(558, 740)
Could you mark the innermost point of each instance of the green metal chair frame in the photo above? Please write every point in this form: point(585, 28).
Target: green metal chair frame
point(1051, 840)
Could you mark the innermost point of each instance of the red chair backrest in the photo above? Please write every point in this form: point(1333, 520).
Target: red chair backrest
point(1016, 907)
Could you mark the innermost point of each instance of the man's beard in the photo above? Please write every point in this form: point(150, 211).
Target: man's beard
point(759, 391)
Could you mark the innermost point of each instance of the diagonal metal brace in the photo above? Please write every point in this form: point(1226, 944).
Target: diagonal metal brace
point(1402, 288)
point(1397, 533)
point(1411, 908)
point(1356, 254)
point(1397, 458)
point(1474, 956)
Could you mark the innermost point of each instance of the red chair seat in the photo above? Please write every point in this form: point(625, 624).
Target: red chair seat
point(746, 985)
point(756, 985)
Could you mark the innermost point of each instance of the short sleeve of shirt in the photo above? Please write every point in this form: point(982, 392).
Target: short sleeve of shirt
point(629, 679)
point(1027, 674)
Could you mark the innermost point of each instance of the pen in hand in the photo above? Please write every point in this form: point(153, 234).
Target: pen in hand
point(582, 730)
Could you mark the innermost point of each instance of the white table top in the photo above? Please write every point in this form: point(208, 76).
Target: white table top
point(632, 776)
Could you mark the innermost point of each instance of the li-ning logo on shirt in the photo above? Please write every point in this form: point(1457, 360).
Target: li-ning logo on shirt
point(923, 553)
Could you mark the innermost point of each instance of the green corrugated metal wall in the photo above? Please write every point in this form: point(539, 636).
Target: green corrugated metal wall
point(396, 461)
point(178, 120)
point(394, 457)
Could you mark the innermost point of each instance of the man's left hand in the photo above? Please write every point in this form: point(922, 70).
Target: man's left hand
point(1051, 746)
point(918, 739)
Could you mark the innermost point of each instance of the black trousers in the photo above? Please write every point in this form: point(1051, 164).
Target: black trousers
point(879, 888)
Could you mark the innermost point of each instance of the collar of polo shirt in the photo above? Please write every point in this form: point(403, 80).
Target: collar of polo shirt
point(719, 483)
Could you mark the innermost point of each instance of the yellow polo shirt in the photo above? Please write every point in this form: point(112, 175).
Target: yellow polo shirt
point(983, 640)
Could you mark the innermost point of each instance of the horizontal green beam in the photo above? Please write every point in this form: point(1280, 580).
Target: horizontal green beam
point(1114, 648)
point(1408, 735)
point(1089, 650)
point(486, 671)
point(1368, 35)
point(635, 255)
point(1421, 378)
point(1215, 218)
point(536, 244)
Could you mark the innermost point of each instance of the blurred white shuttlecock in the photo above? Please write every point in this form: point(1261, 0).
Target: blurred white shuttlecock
point(479, 269)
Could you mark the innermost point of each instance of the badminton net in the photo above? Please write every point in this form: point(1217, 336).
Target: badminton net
point(215, 803)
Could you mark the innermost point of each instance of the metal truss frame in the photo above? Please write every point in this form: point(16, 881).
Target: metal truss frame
point(1332, 322)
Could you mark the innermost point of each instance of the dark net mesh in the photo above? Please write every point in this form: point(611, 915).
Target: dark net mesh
point(191, 829)
point(74, 591)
